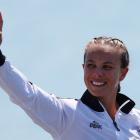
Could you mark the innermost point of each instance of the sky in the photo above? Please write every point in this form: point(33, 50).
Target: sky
point(45, 40)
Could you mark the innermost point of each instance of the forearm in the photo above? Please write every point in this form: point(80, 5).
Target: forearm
point(13, 82)
point(44, 109)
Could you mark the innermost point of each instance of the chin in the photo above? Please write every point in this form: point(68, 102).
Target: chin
point(97, 93)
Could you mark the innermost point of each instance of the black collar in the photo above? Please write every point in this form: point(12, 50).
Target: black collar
point(93, 102)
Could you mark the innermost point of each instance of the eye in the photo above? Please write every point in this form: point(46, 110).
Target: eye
point(90, 65)
point(107, 67)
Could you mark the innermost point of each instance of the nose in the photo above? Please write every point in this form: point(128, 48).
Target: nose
point(98, 73)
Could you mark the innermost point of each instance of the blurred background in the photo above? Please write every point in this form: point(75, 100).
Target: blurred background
point(45, 39)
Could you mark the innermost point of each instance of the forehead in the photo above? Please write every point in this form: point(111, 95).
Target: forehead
point(103, 52)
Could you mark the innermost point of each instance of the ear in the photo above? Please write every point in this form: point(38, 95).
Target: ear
point(123, 73)
point(83, 65)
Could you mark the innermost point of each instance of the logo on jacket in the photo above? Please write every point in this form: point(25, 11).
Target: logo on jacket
point(95, 124)
point(138, 130)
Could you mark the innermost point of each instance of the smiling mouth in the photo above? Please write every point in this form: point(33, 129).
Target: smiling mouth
point(98, 84)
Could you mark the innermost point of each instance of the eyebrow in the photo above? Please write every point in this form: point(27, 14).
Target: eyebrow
point(107, 62)
point(89, 60)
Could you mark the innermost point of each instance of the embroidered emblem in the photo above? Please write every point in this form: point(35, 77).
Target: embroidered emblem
point(138, 130)
point(95, 124)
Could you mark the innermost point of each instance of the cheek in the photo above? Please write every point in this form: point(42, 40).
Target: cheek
point(113, 77)
point(117, 77)
point(86, 79)
point(87, 76)
point(86, 72)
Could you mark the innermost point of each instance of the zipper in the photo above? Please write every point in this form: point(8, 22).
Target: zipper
point(114, 122)
point(116, 126)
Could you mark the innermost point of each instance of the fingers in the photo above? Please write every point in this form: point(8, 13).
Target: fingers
point(1, 22)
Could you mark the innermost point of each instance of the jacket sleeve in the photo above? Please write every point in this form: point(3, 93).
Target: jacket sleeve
point(45, 109)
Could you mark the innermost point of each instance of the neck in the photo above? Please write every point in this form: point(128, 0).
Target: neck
point(110, 105)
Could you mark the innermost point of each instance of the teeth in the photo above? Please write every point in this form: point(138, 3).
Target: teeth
point(98, 83)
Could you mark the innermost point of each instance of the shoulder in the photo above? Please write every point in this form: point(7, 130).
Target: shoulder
point(69, 103)
point(135, 113)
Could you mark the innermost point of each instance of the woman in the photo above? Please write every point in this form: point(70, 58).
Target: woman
point(102, 113)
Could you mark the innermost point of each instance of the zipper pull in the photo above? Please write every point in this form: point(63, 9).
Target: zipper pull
point(116, 126)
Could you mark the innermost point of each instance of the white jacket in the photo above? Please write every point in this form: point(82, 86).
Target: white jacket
point(70, 119)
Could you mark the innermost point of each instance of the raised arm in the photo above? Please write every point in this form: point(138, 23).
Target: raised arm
point(45, 109)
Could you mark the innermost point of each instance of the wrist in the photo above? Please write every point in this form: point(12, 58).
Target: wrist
point(2, 58)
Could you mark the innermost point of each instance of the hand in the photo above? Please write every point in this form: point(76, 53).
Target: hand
point(1, 24)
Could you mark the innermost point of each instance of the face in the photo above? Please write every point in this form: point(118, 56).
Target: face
point(102, 70)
